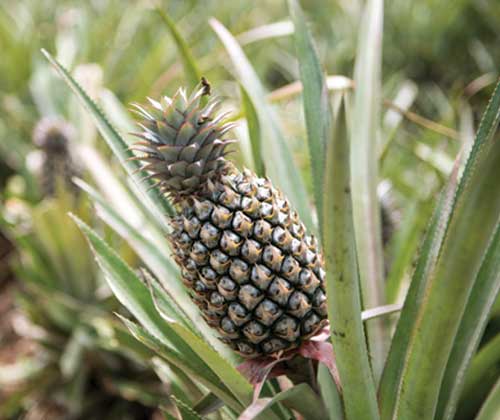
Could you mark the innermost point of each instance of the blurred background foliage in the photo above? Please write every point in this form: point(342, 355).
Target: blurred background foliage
point(440, 61)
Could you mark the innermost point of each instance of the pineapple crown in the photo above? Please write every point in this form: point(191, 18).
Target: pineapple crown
point(182, 143)
point(52, 135)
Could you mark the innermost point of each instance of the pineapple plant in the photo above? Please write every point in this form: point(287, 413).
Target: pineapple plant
point(421, 365)
point(66, 366)
point(247, 259)
point(52, 136)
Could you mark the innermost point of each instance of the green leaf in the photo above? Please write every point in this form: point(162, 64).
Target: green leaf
point(129, 289)
point(135, 296)
point(156, 200)
point(193, 75)
point(426, 262)
point(473, 220)
point(480, 378)
point(300, 398)
point(228, 374)
point(254, 132)
point(405, 244)
point(342, 281)
point(73, 352)
point(330, 394)
point(208, 404)
point(474, 320)
point(150, 254)
point(365, 123)
point(282, 171)
point(187, 413)
point(271, 30)
point(491, 407)
point(317, 110)
point(175, 359)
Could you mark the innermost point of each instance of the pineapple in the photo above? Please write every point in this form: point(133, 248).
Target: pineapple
point(244, 254)
point(52, 136)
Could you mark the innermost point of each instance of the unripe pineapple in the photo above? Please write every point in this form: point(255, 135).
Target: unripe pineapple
point(244, 254)
point(52, 136)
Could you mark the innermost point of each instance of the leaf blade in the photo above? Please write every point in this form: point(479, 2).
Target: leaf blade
point(364, 172)
point(115, 142)
point(189, 63)
point(474, 217)
point(317, 110)
point(342, 281)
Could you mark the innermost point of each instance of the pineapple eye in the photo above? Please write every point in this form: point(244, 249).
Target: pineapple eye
point(245, 348)
point(319, 301)
point(239, 271)
point(203, 209)
point(308, 282)
point(221, 217)
point(290, 269)
point(298, 304)
point(216, 299)
point(267, 312)
point(219, 261)
point(242, 224)
point(230, 243)
point(274, 345)
point(287, 328)
point(251, 251)
point(262, 231)
point(210, 235)
point(247, 188)
point(279, 291)
point(263, 194)
point(208, 274)
point(261, 276)
point(192, 226)
point(250, 296)
point(255, 332)
point(199, 253)
point(238, 313)
point(227, 284)
point(200, 288)
point(311, 323)
point(272, 257)
point(228, 326)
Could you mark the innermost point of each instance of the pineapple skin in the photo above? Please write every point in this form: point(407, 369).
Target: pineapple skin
point(255, 274)
point(244, 255)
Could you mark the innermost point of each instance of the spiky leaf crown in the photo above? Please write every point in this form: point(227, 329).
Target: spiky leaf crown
point(182, 141)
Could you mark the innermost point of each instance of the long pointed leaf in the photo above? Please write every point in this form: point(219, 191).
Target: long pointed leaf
point(177, 360)
point(133, 294)
point(364, 172)
point(254, 131)
point(474, 217)
point(154, 197)
point(300, 398)
point(190, 67)
point(342, 282)
point(491, 407)
point(481, 300)
point(429, 253)
point(317, 108)
point(481, 377)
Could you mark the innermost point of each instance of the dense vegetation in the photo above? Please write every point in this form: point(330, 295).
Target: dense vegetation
point(376, 120)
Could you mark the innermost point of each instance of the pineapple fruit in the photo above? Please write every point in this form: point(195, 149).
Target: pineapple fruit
point(52, 136)
point(244, 254)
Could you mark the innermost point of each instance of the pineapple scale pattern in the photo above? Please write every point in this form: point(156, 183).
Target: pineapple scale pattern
point(252, 270)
